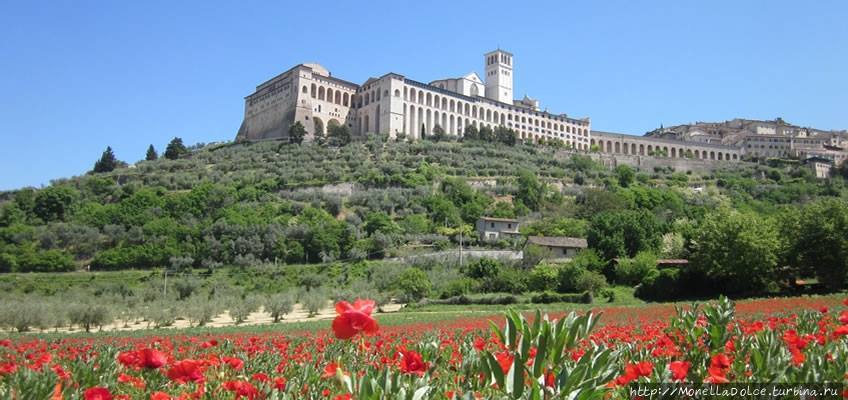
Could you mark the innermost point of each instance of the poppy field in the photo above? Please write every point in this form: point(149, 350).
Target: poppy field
point(593, 354)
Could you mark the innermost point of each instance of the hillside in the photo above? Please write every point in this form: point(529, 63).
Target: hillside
point(273, 216)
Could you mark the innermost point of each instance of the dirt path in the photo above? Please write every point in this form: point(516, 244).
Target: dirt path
point(298, 314)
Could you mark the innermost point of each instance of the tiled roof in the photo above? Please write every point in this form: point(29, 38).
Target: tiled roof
point(558, 241)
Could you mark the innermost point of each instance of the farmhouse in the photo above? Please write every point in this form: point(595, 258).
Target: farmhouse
point(561, 248)
point(491, 229)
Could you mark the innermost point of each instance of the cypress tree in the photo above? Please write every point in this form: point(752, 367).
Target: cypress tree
point(107, 161)
point(151, 154)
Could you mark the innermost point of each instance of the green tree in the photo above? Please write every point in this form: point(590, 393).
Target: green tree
point(817, 241)
point(624, 233)
point(296, 132)
point(338, 135)
point(486, 134)
point(471, 133)
point(625, 175)
point(438, 133)
point(107, 161)
point(54, 203)
point(530, 190)
point(631, 271)
point(506, 135)
point(737, 251)
point(151, 153)
point(413, 284)
point(380, 222)
point(175, 149)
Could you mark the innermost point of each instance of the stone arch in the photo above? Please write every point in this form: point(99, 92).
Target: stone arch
point(305, 89)
point(338, 97)
point(445, 121)
point(712, 155)
point(317, 126)
point(452, 106)
point(496, 117)
point(345, 100)
point(419, 126)
point(314, 91)
point(330, 95)
point(502, 119)
point(474, 112)
point(320, 93)
point(641, 149)
point(366, 127)
point(444, 103)
point(397, 92)
point(609, 146)
point(421, 97)
point(377, 119)
point(735, 157)
point(673, 152)
point(617, 147)
point(429, 100)
point(467, 110)
point(488, 116)
point(474, 91)
point(436, 101)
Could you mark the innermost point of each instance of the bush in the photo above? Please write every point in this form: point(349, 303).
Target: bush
point(483, 268)
point(552, 297)
point(413, 285)
point(631, 271)
point(509, 280)
point(590, 282)
point(661, 284)
point(543, 278)
point(567, 277)
point(456, 287)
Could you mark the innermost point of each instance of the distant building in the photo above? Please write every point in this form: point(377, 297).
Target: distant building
point(820, 166)
point(562, 248)
point(491, 229)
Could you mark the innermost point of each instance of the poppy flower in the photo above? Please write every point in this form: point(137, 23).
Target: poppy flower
point(152, 358)
point(679, 369)
point(242, 389)
point(160, 396)
point(280, 383)
point(355, 318)
point(97, 393)
point(186, 371)
point(412, 363)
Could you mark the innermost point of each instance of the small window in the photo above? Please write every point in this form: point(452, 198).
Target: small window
point(493, 224)
point(509, 226)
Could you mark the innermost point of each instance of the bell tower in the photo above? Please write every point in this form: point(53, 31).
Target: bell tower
point(499, 76)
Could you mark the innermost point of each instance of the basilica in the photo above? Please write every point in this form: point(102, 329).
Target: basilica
point(395, 105)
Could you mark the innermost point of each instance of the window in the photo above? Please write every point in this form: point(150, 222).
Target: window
point(493, 224)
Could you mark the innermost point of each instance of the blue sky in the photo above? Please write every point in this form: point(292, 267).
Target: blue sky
point(76, 76)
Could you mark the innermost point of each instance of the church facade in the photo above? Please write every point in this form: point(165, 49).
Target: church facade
point(395, 105)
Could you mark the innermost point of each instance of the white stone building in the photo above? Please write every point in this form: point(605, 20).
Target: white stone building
point(396, 105)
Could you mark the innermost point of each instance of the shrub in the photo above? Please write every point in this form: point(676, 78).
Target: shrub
point(543, 277)
point(483, 268)
point(552, 297)
point(413, 285)
point(456, 287)
point(661, 284)
point(631, 271)
point(590, 282)
point(567, 277)
point(509, 280)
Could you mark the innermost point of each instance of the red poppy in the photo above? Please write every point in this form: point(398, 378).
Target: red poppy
point(412, 363)
point(186, 371)
point(242, 389)
point(280, 383)
point(843, 317)
point(233, 362)
point(97, 393)
point(160, 396)
point(352, 319)
point(152, 359)
point(679, 369)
